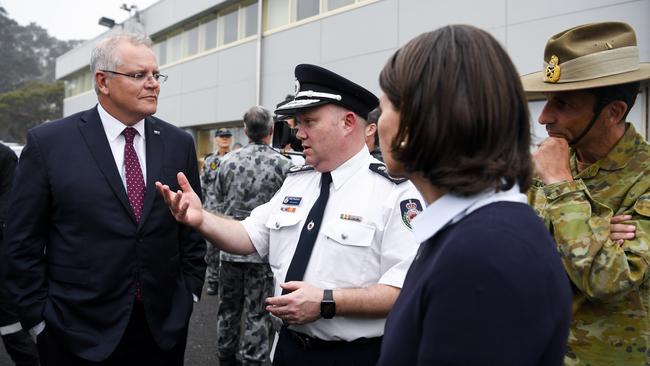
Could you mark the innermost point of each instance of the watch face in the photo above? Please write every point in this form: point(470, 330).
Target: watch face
point(327, 309)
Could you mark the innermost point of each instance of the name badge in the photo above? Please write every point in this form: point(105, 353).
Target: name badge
point(292, 201)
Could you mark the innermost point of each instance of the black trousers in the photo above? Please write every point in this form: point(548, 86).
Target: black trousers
point(298, 349)
point(137, 348)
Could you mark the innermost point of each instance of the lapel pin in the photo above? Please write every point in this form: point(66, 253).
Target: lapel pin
point(156, 132)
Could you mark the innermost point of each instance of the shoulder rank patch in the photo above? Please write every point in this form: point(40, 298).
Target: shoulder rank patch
point(409, 209)
point(381, 170)
point(299, 169)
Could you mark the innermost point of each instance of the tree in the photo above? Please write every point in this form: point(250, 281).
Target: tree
point(32, 104)
point(28, 93)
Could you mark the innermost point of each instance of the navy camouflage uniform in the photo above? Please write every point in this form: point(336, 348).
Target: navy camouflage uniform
point(208, 176)
point(246, 179)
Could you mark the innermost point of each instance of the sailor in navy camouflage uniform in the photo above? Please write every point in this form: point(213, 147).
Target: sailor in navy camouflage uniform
point(335, 315)
point(246, 178)
point(222, 139)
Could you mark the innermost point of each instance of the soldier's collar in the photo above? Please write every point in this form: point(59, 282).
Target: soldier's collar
point(618, 157)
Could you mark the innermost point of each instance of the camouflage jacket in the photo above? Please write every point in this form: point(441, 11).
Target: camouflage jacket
point(611, 305)
point(247, 178)
point(208, 176)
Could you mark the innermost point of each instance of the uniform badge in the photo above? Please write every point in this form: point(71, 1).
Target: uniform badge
point(296, 88)
point(213, 165)
point(553, 70)
point(288, 209)
point(409, 209)
point(291, 201)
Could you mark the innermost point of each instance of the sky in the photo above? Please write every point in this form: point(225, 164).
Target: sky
point(70, 19)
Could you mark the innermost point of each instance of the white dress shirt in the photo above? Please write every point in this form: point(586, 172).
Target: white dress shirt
point(113, 129)
point(364, 238)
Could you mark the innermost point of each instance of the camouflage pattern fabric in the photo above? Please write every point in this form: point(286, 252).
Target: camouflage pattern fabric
point(611, 307)
point(208, 176)
point(246, 179)
point(244, 287)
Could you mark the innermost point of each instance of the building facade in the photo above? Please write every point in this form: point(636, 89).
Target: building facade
point(224, 56)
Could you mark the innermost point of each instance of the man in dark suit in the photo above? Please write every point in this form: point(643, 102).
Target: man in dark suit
point(19, 346)
point(101, 271)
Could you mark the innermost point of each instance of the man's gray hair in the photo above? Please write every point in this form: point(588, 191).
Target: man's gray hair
point(258, 123)
point(103, 56)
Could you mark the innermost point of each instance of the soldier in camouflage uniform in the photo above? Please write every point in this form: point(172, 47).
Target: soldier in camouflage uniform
point(222, 140)
point(246, 179)
point(593, 189)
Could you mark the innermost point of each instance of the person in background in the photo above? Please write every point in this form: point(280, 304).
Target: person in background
point(487, 285)
point(247, 178)
point(372, 138)
point(592, 188)
point(337, 233)
point(100, 270)
point(20, 347)
point(222, 141)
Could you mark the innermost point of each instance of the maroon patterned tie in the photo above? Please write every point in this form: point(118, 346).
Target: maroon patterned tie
point(134, 181)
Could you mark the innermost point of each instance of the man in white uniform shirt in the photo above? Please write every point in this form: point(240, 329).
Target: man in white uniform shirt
point(333, 298)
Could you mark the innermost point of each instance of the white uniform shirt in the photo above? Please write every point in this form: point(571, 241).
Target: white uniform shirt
point(364, 239)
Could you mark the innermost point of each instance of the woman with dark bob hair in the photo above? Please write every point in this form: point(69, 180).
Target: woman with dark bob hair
point(487, 286)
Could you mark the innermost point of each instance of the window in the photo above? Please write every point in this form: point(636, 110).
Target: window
point(229, 26)
point(209, 35)
point(174, 47)
point(306, 8)
point(192, 46)
point(161, 49)
point(278, 13)
point(250, 19)
point(335, 4)
point(78, 83)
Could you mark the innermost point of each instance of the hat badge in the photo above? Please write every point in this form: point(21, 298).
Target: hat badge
point(296, 88)
point(552, 72)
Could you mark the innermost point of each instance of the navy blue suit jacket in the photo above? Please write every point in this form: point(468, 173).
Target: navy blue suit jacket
point(75, 250)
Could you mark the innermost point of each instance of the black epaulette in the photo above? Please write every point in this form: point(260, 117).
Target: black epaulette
point(381, 170)
point(299, 169)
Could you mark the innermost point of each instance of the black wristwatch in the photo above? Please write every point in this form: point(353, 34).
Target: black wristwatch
point(327, 306)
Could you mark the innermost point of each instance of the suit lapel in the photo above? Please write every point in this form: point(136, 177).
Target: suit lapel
point(93, 133)
point(154, 149)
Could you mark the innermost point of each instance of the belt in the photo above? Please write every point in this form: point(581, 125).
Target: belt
point(308, 342)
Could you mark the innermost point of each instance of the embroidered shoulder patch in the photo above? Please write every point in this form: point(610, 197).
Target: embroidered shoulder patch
point(409, 209)
point(381, 170)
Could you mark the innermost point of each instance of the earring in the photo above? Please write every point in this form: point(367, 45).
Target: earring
point(402, 144)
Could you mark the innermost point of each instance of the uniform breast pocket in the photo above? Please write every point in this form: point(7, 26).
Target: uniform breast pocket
point(283, 234)
point(349, 258)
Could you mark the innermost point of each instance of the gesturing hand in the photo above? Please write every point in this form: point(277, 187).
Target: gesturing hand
point(184, 204)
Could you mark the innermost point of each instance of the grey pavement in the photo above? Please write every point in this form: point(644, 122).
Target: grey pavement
point(201, 340)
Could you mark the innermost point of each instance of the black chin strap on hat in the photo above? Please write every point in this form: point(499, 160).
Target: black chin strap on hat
point(597, 111)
